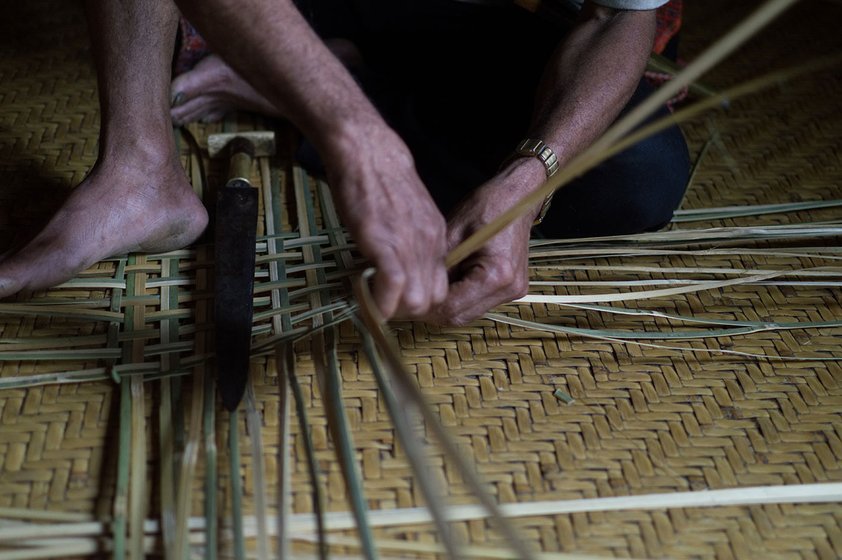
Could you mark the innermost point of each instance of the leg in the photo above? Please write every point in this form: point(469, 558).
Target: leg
point(212, 88)
point(635, 191)
point(137, 196)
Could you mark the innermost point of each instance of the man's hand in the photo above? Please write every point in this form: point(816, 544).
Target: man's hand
point(497, 273)
point(394, 221)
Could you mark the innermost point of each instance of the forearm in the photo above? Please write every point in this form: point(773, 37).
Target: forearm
point(276, 51)
point(587, 82)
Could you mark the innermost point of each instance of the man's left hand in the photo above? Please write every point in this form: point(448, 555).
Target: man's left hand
point(495, 274)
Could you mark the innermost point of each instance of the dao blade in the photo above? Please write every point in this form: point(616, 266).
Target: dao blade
point(236, 230)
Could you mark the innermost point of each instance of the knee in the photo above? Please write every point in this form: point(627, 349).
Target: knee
point(658, 179)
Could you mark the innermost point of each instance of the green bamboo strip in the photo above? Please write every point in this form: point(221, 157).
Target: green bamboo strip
point(372, 319)
point(121, 494)
point(211, 466)
point(270, 180)
point(51, 343)
point(787, 325)
point(327, 372)
point(166, 449)
point(137, 487)
point(726, 212)
point(593, 155)
point(258, 472)
point(133, 353)
point(416, 453)
point(208, 413)
point(671, 282)
point(60, 355)
point(235, 468)
point(646, 294)
point(558, 329)
point(718, 235)
point(627, 335)
point(56, 311)
point(746, 88)
point(149, 372)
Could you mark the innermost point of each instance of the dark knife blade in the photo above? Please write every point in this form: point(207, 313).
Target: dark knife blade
point(236, 232)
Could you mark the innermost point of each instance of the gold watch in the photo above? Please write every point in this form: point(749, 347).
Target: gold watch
point(531, 147)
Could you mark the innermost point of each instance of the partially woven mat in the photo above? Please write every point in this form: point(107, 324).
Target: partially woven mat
point(644, 420)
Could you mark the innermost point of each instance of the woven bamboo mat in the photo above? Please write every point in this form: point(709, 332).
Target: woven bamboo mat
point(644, 420)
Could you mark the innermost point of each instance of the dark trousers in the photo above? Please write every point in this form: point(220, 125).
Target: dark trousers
point(457, 82)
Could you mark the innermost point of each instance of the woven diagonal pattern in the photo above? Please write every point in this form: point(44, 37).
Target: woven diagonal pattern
point(644, 420)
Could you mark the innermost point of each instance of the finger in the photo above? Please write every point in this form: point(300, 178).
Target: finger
point(389, 282)
point(487, 283)
point(213, 116)
point(441, 285)
point(194, 110)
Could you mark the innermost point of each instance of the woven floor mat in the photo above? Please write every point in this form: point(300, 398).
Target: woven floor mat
point(731, 412)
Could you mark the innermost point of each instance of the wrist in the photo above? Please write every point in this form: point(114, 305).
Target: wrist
point(529, 156)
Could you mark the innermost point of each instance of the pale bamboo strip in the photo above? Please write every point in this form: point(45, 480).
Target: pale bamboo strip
point(647, 294)
point(602, 251)
point(687, 319)
point(819, 271)
point(137, 487)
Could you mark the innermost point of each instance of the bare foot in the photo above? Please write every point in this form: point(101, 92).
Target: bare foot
point(116, 209)
point(212, 88)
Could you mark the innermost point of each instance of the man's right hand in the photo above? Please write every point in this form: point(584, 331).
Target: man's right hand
point(393, 219)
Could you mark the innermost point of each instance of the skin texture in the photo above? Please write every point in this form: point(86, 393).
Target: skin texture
point(295, 75)
point(137, 196)
point(370, 169)
point(587, 82)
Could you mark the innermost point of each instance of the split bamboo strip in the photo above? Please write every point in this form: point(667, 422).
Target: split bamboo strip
point(258, 470)
point(401, 410)
point(374, 322)
point(598, 335)
point(279, 296)
point(327, 373)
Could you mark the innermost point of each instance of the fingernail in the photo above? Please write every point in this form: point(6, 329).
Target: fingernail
point(177, 99)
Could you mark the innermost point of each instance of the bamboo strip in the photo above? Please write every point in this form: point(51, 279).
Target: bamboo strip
point(327, 373)
point(303, 523)
point(595, 335)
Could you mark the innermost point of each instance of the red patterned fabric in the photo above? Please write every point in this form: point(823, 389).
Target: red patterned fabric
point(191, 48)
point(669, 22)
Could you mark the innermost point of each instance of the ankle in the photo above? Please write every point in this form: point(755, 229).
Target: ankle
point(148, 154)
